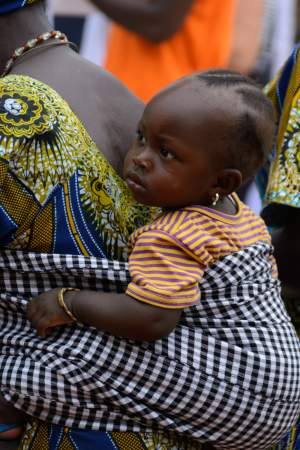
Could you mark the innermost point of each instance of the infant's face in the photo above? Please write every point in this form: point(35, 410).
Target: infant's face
point(170, 163)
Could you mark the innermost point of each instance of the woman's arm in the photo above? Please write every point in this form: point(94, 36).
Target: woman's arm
point(114, 313)
point(155, 20)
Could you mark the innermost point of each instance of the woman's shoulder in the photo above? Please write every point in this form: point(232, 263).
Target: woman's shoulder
point(29, 107)
point(17, 85)
point(105, 105)
point(39, 132)
point(105, 88)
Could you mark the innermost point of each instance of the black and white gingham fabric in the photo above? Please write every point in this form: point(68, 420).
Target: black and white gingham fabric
point(229, 373)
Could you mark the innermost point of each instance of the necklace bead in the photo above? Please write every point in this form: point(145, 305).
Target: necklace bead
point(32, 43)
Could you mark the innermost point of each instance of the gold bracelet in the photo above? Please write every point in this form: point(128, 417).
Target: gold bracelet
point(61, 301)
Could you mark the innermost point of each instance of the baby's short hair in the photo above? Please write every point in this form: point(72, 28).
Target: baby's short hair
point(250, 139)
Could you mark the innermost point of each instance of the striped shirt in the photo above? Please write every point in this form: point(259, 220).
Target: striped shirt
point(169, 256)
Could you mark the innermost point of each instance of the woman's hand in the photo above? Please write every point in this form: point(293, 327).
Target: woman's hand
point(44, 312)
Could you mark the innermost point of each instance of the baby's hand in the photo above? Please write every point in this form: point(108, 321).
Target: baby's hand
point(44, 313)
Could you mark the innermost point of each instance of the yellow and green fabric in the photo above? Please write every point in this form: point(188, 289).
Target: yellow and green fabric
point(279, 180)
point(58, 193)
point(41, 436)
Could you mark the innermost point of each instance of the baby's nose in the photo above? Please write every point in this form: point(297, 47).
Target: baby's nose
point(143, 160)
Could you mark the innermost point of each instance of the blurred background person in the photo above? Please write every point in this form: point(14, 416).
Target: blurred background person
point(279, 184)
point(266, 55)
point(151, 44)
point(84, 24)
point(285, 32)
point(262, 35)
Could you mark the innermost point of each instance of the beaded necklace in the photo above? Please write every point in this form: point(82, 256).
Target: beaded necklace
point(60, 37)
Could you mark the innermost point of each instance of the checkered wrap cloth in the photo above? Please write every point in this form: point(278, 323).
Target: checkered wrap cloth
point(229, 373)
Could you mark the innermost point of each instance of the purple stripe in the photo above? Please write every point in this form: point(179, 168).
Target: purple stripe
point(182, 264)
point(142, 244)
point(150, 255)
point(183, 255)
point(244, 212)
point(247, 220)
point(251, 224)
point(169, 219)
point(182, 236)
point(161, 295)
point(252, 236)
point(186, 226)
point(165, 283)
point(171, 286)
point(170, 255)
point(179, 243)
point(173, 217)
point(223, 247)
point(140, 281)
point(236, 226)
point(169, 273)
point(156, 237)
point(223, 215)
point(203, 241)
point(220, 233)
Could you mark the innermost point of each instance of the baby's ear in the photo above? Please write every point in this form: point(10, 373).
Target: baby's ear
point(228, 181)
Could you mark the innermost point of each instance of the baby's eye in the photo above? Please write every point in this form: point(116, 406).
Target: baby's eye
point(140, 137)
point(166, 154)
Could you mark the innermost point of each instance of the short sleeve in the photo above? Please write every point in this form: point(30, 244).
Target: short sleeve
point(28, 158)
point(164, 273)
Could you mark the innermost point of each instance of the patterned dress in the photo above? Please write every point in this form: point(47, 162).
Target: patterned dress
point(229, 373)
point(279, 180)
point(58, 194)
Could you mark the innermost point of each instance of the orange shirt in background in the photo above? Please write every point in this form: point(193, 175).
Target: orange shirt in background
point(203, 41)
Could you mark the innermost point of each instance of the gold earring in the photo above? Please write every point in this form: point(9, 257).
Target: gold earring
point(215, 200)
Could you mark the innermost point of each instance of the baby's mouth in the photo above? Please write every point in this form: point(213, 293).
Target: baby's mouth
point(134, 181)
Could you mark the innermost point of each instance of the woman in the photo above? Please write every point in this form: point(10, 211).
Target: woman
point(279, 184)
point(59, 193)
point(60, 196)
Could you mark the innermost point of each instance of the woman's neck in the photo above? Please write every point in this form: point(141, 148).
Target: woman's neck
point(18, 27)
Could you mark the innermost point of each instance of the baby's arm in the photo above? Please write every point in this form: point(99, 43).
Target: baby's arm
point(164, 280)
point(118, 314)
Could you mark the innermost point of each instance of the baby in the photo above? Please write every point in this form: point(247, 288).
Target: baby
point(204, 267)
point(197, 142)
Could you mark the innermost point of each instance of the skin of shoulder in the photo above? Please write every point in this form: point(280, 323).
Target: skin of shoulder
point(106, 108)
point(117, 112)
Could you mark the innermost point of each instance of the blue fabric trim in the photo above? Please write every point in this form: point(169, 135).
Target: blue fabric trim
point(284, 79)
point(7, 6)
point(8, 426)
point(80, 439)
